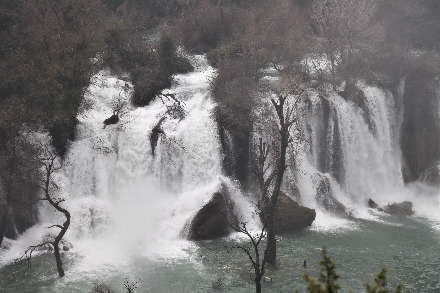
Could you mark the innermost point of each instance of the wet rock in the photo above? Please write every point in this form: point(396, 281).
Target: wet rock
point(212, 220)
point(112, 119)
point(406, 171)
point(399, 209)
point(50, 238)
point(372, 204)
point(325, 198)
point(290, 216)
point(155, 134)
point(431, 176)
point(420, 134)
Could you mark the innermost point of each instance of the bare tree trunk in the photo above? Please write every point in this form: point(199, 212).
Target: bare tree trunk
point(285, 122)
point(271, 242)
point(332, 61)
point(258, 286)
point(51, 167)
point(58, 239)
point(259, 267)
point(58, 260)
point(259, 272)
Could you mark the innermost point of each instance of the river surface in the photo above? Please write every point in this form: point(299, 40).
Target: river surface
point(408, 247)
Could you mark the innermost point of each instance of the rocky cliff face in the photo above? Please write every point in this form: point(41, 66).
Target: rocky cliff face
point(420, 139)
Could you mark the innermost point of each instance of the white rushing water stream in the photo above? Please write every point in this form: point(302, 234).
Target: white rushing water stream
point(130, 206)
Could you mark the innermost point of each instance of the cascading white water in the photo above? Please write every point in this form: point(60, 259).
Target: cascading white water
point(356, 147)
point(149, 195)
point(353, 144)
point(370, 156)
point(123, 199)
point(129, 207)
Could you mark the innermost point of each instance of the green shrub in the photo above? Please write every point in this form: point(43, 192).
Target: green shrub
point(326, 282)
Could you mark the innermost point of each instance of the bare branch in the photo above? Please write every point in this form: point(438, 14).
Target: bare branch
point(57, 226)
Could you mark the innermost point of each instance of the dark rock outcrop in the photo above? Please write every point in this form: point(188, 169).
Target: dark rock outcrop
point(212, 220)
point(399, 209)
point(431, 176)
point(3, 221)
point(155, 134)
point(420, 138)
point(290, 216)
point(372, 204)
point(18, 214)
point(325, 198)
point(112, 119)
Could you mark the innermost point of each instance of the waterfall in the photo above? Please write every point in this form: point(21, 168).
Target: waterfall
point(121, 196)
point(113, 176)
point(354, 143)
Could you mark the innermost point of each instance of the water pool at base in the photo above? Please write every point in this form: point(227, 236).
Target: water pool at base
point(408, 247)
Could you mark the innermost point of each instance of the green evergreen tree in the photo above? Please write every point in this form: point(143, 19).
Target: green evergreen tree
point(326, 282)
point(380, 284)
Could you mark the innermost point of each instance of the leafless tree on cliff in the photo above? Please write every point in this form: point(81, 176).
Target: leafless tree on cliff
point(50, 162)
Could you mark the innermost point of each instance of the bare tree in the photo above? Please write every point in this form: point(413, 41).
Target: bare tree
point(270, 185)
point(50, 162)
point(251, 249)
point(346, 26)
point(119, 108)
point(61, 41)
point(270, 170)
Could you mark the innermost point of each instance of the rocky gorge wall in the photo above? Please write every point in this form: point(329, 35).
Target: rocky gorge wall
point(420, 137)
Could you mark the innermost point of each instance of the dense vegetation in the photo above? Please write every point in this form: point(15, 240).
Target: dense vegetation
point(50, 49)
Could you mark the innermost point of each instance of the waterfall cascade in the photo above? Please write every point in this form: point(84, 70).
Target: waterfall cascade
point(122, 197)
point(125, 198)
point(357, 146)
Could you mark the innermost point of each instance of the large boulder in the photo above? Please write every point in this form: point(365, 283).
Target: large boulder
point(290, 216)
point(431, 176)
point(372, 204)
point(324, 196)
point(399, 209)
point(214, 218)
point(114, 119)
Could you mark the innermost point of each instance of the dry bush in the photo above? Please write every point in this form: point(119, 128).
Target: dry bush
point(206, 26)
point(101, 288)
point(279, 30)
